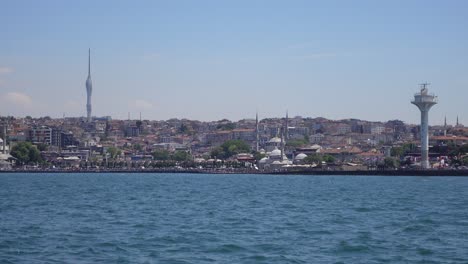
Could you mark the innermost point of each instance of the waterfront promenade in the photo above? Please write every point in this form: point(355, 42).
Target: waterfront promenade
point(316, 172)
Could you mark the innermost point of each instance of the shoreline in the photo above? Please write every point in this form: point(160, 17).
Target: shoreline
point(461, 173)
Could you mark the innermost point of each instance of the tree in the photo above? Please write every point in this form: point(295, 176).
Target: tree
point(328, 158)
point(465, 161)
point(463, 149)
point(397, 151)
point(161, 154)
point(42, 147)
point(137, 147)
point(138, 124)
point(183, 129)
point(181, 156)
point(313, 158)
point(228, 126)
point(401, 151)
point(230, 148)
point(258, 156)
point(391, 163)
point(113, 152)
point(26, 153)
point(297, 143)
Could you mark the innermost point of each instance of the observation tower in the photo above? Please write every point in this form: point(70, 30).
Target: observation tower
point(424, 101)
point(89, 89)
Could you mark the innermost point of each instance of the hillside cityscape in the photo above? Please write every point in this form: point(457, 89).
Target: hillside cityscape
point(264, 144)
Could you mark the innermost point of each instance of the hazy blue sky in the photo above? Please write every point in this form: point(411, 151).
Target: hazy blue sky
point(209, 60)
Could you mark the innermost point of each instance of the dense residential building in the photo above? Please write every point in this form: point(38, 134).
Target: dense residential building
point(41, 135)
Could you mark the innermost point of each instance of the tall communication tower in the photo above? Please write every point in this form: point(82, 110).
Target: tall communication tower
point(89, 89)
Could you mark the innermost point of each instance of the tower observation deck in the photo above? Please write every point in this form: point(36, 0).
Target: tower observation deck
point(424, 101)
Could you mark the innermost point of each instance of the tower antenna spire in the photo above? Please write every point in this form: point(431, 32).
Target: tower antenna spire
point(89, 61)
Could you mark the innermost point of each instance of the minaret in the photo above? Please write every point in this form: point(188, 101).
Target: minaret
point(5, 128)
point(256, 132)
point(424, 101)
point(445, 126)
point(282, 144)
point(89, 89)
point(284, 135)
point(457, 121)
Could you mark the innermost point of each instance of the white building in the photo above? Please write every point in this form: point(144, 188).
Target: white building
point(274, 160)
point(272, 144)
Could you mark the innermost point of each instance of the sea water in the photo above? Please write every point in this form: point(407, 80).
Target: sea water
point(201, 218)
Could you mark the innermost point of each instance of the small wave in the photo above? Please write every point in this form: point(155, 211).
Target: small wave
point(415, 228)
point(139, 225)
point(425, 251)
point(363, 209)
point(256, 258)
point(118, 222)
point(427, 221)
point(173, 261)
point(345, 247)
point(462, 222)
point(106, 244)
point(319, 232)
point(228, 248)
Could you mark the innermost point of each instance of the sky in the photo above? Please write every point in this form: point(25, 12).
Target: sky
point(210, 60)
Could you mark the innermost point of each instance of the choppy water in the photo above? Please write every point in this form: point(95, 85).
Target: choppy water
point(182, 218)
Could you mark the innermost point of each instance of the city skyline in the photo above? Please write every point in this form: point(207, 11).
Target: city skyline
point(220, 60)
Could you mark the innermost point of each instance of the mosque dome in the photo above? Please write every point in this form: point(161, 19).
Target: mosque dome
point(263, 160)
point(276, 162)
point(275, 152)
point(316, 147)
point(300, 156)
point(275, 140)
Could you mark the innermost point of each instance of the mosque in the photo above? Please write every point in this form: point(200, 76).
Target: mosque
point(275, 158)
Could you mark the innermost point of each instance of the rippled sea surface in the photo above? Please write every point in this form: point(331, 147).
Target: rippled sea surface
point(197, 218)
